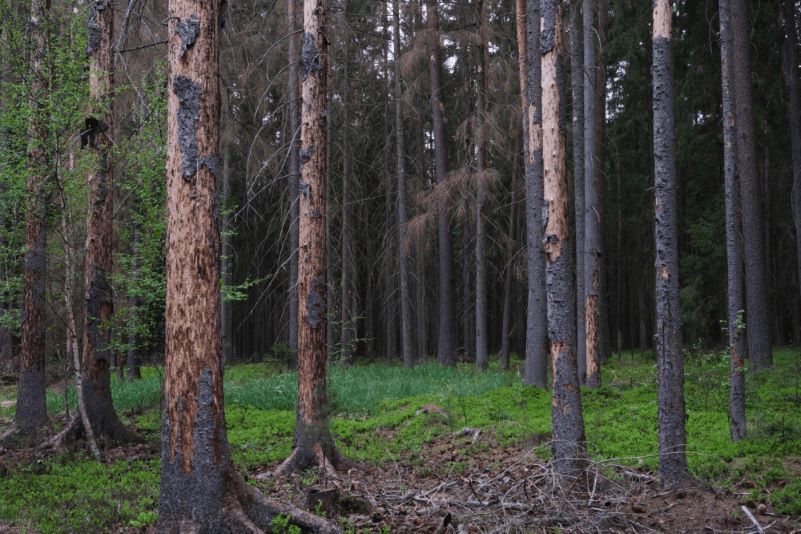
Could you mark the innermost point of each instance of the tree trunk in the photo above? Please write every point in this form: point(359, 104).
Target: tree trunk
point(536, 363)
point(482, 357)
point(346, 301)
point(506, 308)
point(31, 409)
point(97, 354)
point(569, 447)
point(400, 183)
point(226, 263)
point(758, 327)
point(8, 365)
point(737, 347)
point(593, 261)
point(446, 343)
point(132, 357)
point(577, 92)
point(670, 365)
point(313, 445)
point(294, 173)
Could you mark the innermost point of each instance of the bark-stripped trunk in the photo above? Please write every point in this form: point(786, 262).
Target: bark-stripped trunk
point(670, 365)
point(97, 355)
point(592, 205)
point(226, 263)
point(294, 172)
point(31, 409)
point(313, 445)
point(446, 343)
point(569, 448)
point(482, 357)
point(758, 327)
point(536, 364)
point(346, 301)
point(737, 346)
point(790, 72)
point(407, 350)
point(577, 93)
point(195, 456)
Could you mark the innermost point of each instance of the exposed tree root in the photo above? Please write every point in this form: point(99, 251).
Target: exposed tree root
point(319, 455)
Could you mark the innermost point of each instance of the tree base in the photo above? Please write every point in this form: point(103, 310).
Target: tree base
point(320, 455)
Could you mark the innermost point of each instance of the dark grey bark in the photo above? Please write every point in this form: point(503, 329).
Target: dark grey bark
point(226, 262)
point(293, 91)
point(536, 364)
point(446, 333)
point(577, 90)
point(347, 333)
point(508, 271)
point(756, 297)
point(670, 364)
point(400, 184)
point(569, 448)
point(737, 345)
point(482, 357)
point(593, 261)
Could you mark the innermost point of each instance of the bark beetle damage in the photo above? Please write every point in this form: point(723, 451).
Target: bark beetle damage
point(188, 93)
point(662, 19)
point(213, 163)
point(664, 272)
point(99, 300)
point(188, 31)
point(315, 302)
point(306, 154)
point(94, 33)
point(549, 28)
point(591, 329)
point(309, 57)
point(534, 132)
point(557, 347)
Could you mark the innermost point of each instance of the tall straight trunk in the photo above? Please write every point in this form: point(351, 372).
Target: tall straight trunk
point(195, 456)
point(790, 72)
point(536, 362)
point(468, 323)
point(294, 173)
point(758, 327)
point(506, 308)
point(407, 350)
point(420, 310)
point(346, 318)
point(97, 353)
point(569, 448)
point(133, 362)
point(226, 262)
point(31, 409)
point(482, 357)
point(7, 363)
point(577, 93)
point(593, 261)
point(446, 342)
point(670, 364)
point(329, 241)
point(313, 444)
point(737, 346)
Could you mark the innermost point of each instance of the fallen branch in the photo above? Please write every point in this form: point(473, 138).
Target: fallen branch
point(753, 519)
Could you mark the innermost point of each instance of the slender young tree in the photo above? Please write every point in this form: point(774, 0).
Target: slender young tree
point(592, 205)
point(97, 353)
point(31, 409)
point(528, 41)
point(313, 444)
point(737, 346)
point(294, 173)
point(482, 357)
point(346, 241)
point(400, 183)
point(577, 108)
point(446, 344)
point(791, 75)
point(670, 365)
point(756, 296)
point(569, 446)
point(226, 261)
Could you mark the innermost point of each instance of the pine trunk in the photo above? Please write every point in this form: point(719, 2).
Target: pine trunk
point(446, 342)
point(294, 173)
point(670, 365)
point(758, 327)
point(31, 409)
point(569, 448)
point(346, 298)
point(482, 357)
point(132, 357)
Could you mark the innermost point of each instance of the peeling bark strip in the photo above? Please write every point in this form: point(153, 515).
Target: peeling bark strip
point(536, 365)
point(566, 416)
point(188, 30)
point(31, 409)
point(188, 93)
point(310, 60)
point(737, 346)
point(94, 35)
point(670, 364)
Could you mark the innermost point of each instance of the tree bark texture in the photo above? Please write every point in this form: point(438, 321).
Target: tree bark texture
point(446, 342)
point(670, 365)
point(566, 416)
point(226, 263)
point(536, 364)
point(31, 409)
point(737, 345)
point(294, 173)
point(347, 336)
point(407, 350)
point(757, 324)
point(482, 357)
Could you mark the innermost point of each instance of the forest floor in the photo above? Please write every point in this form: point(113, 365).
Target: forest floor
point(446, 450)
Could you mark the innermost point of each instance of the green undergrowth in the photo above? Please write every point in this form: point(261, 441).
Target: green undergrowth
point(377, 416)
